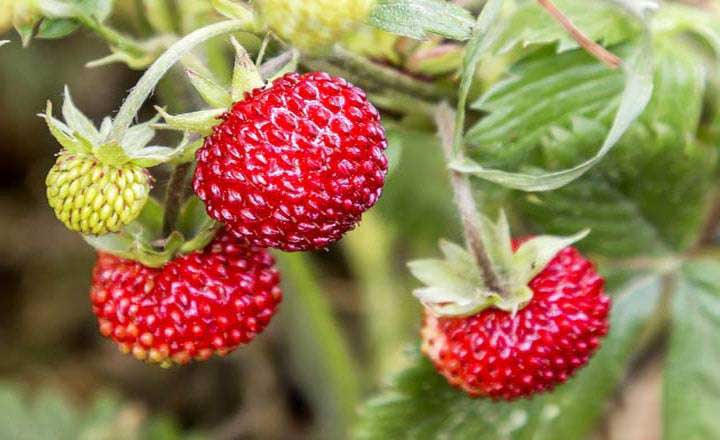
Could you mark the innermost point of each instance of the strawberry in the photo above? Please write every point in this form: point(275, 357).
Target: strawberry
point(545, 327)
point(100, 184)
point(313, 25)
point(207, 302)
point(294, 165)
point(95, 198)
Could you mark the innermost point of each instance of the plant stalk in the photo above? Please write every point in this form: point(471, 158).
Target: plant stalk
point(467, 206)
point(149, 80)
point(594, 49)
point(174, 196)
point(386, 76)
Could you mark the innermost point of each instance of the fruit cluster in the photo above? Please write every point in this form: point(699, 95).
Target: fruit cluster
point(292, 163)
point(292, 166)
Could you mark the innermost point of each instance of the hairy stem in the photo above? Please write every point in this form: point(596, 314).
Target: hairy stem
point(386, 76)
point(467, 207)
point(149, 80)
point(174, 196)
point(594, 49)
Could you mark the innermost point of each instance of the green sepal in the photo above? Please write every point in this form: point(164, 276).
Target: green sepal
point(112, 154)
point(246, 75)
point(200, 122)
point(63, 134)
point(211, 92)
point(148, 157)
point(455, 286)
point(141, 240)
point(78, 134)
point(125, 246)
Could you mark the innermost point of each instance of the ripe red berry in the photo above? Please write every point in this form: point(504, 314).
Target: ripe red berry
point(504, 356)
point(294, 165)
point(205, 302)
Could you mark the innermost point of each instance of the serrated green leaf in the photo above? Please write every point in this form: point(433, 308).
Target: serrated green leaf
point(691, 402)
point(420, 404)
point(635, 96)
point(418, 18)
point(652, 187)
point(531, 25)
point(539, 95)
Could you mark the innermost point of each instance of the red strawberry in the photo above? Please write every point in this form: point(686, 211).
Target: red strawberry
point(294, 165)
point(205, 302)
point(503, 355)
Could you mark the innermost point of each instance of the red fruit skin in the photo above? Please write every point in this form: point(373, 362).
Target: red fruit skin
point(294, 165)
point(203, 303)
point(498, 355)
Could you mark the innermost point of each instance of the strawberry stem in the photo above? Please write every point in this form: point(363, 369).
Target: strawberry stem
point(467, 206)
point(594, 49)
point(174, 196)
point(149, 80)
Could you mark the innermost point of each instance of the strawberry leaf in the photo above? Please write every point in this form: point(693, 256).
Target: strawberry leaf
point(635, 96)
point(418, 18)
point(692, 380)
point(419, 403)
point(531, 25)
point(652, 187)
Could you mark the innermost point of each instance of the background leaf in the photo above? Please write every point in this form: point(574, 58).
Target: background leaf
point(418, 18)
point(692, 379)
point(531, 25)
point(652, 187)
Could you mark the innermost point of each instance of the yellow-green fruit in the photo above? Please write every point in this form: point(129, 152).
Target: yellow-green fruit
point(314, 25)
point(93, 198)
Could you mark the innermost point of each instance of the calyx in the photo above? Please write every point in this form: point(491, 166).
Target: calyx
point(454, 285)
point(142, 240)
point(246, 77)
point(78, 134)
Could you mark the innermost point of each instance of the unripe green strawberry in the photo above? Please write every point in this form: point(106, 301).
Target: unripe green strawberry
point(95, 198)
point(99, 182)
point(312, 25)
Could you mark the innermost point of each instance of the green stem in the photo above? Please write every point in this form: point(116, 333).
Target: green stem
point(113, 37)
point(149, 80)
point(322, 360)
point(465, 201)
point(387, 76)
point(174, 196)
